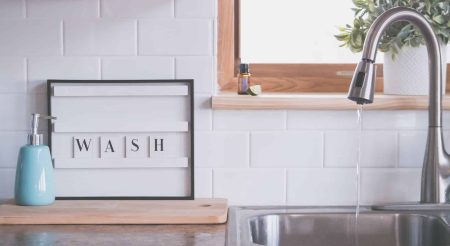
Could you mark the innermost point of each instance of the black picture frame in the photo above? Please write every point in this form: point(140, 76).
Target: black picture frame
point(189, 82)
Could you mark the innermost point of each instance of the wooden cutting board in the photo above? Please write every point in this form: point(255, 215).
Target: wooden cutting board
point(198, 211)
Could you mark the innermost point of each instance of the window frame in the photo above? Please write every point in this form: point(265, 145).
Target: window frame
point(291, 78)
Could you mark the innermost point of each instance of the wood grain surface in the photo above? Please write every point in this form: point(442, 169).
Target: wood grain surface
point(198, 211)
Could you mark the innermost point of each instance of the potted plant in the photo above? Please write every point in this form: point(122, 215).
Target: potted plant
point(405, 59)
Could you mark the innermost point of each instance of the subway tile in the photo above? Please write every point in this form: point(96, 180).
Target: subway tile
point(250, 186)
point(379, 149)
point(138, 68)
point(7, 178)
point(320, 120)
point(203, 182)
point(194, 8)
point(10, 9)
point(412, 148)
point(398, 119)
point(286, 149)
point(249, 119)
point(13, 108)
point(100, 37)
point(341, 148)
point(62, 8)
point(42, 68)
point(199, 68)
point(175, 37)
point(30, 37)
point(221, 149)
point(390, 185)
point(13, 75)
point(137, 9)
point(202, 112)
point(9, 146)
point(318, 187)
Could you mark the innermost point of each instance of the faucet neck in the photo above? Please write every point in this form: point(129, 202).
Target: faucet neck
point(433, 48)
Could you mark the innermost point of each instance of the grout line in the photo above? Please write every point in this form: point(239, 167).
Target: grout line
point(174, 70)
point(285, 186)
point(249, 152)
point(174, 9)
point(323, 148)
point(25, 9)
point(100, 68)
point(397, 149)
point(99, 10)
point(136, 36)
point(212, 184)
point(27, 77)
point(63, 52)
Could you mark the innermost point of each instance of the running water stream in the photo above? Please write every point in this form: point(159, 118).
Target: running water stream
point(358, 171)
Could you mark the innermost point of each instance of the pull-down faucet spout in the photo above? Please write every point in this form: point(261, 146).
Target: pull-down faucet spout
point(435, 183)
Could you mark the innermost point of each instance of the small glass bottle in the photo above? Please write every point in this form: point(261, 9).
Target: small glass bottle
point(243, 79)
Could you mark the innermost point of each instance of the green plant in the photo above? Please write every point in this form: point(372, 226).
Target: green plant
point(400, 34)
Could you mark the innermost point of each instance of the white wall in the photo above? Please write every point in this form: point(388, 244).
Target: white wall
point(250, 157)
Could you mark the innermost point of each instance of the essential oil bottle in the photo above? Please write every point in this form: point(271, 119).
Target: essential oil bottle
point(243, 79)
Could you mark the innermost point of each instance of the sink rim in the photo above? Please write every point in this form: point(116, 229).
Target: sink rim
point(239, 217)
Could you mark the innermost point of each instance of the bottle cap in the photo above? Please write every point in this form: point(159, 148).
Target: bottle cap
point(244, 68)
point(35, 138)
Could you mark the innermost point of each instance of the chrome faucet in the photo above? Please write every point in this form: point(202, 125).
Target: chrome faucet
point(435, 186)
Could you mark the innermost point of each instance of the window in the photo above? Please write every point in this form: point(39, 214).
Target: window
point(246, 29)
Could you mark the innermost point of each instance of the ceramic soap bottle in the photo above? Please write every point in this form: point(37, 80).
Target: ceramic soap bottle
point(34, 184)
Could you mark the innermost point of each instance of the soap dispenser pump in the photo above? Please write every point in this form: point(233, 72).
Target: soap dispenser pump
point(34, 184)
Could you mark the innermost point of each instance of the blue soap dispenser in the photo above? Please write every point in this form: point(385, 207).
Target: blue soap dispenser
point(34, 174)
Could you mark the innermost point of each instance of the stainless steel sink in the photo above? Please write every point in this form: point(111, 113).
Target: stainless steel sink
point(336, 226)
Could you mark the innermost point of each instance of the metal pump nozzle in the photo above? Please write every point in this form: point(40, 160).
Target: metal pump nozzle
point(34, 138)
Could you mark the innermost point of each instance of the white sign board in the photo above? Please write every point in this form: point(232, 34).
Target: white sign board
point(122, 139)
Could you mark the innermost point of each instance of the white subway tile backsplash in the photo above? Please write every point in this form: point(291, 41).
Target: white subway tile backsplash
point(13, 108)
point(10, 9)
point(138, 68)
point(30, 37)
point(100, 37)
point(390, 185)
point(250, 186)
point(199, 68)
point(194, 8)
point(251, 157)
point(7, 182)
point(203, 112)
point(341, 148)
point(175, 37)
point(321, 186)
point(40, 69)
point(203, 182)
point(411, 148)
point(9, 148)
point(379, 149)
point(62, 8)
point(221, 149)
point(249, 120)
point(319, 120)
point(137, 9)
point(13, 75)
point(399, 119)
point(286, 149)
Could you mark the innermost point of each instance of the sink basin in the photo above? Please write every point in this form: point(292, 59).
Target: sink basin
point(336, 226)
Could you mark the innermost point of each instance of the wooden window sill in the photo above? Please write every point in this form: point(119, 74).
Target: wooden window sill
point(320, 101)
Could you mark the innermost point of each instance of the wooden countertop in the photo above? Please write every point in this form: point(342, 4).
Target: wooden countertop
point(56, 235)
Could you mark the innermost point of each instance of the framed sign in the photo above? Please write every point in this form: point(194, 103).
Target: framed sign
point(122, 139)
